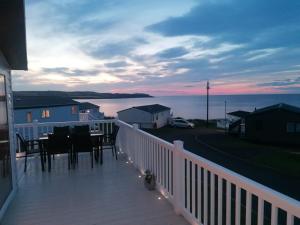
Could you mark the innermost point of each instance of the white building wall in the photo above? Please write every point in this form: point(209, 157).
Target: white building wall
point(4, 70)
point(162, 118)
point(132, 115)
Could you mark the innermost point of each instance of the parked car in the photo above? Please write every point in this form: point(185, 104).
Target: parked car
point(182, 123)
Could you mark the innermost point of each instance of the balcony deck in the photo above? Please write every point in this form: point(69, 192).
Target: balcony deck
point(109, 194)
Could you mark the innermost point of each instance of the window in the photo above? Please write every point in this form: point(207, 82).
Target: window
point(156, 117)
point(290, 127)
point(74, 109)
point(46, 113)
point(29, 117)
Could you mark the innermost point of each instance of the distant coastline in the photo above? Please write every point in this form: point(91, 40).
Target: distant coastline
point(81, 94)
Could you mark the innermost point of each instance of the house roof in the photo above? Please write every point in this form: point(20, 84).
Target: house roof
point(27, 102)
point(13, 33)
point(239, 113)
point(155, 108)
point(280, 106)
point(87, 105)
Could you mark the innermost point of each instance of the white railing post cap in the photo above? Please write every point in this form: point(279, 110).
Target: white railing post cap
point(135, 126)
point(178, 144)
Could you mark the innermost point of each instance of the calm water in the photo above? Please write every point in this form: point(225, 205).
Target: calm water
point(191, 107)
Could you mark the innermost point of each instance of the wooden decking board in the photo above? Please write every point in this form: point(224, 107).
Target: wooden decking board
point(111, 194)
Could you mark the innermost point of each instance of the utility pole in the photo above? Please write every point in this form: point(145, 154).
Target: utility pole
point(207, 102)
point(225, 116)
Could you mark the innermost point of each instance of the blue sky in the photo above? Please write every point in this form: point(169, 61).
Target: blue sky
point(168, 47)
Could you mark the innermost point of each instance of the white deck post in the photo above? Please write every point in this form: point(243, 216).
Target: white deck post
point(178, 176)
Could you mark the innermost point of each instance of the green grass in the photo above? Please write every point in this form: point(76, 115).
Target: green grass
point(285, 162)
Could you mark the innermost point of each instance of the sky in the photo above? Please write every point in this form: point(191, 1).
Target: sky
point(169, 47)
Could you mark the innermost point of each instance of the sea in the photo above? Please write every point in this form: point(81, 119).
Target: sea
point(194, 107)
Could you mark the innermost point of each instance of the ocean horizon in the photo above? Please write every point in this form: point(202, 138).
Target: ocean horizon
point(194, 106)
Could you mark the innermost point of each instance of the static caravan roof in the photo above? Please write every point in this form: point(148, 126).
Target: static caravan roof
point(28, 102)
point(280, 106)
point(239, 113)
point(87, 105)
point(155, 108)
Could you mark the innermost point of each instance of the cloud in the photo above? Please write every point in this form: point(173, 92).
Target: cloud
point(117, 64)
point(282, 83)
point(261, 53)
point(109, 50)
point(236, 21)
point(70, 72)
point(172, 52)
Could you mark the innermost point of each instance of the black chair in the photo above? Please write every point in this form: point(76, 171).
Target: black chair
point(81, 141)
point(62, 130)
point(110, 140)
point(81, 129)
point(59, 143)
point(29, 147)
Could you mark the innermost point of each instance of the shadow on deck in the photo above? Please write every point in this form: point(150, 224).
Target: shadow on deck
point(109, 194)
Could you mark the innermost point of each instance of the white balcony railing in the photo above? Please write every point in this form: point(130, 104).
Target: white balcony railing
point(202, 191)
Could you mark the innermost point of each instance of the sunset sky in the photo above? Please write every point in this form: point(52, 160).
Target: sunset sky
point(162, 47)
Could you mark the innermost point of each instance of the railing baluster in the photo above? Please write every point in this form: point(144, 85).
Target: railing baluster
point(260, 211)
point(228, 203)
point(274, 215)
point(248, 208)
point(212, 198)
point(169, 171)
point(237, 205)
point(289, 219)
point(220, 200)
point(205, 198)
point(199, 193)
point(188, 175)
point(193, 188)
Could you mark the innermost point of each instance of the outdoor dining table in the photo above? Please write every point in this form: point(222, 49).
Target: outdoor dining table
point(95, 136)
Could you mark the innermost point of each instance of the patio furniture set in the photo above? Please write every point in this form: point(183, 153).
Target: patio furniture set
point(70, 141)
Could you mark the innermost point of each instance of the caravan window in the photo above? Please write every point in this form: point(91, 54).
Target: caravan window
point(46, 113)
point(29, 117)
point(74, 109)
